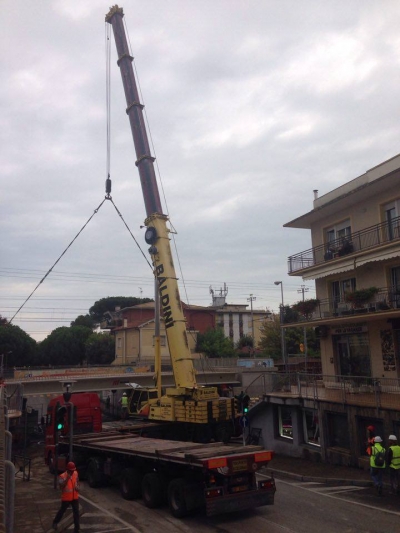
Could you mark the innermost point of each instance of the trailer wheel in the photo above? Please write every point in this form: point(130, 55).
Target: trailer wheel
point(152, 490)
point(93, 476)
point(131, 484)
point(176, 498)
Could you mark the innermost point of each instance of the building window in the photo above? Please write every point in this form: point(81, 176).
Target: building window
point(339, 231)
point(162, 340)
point(119, 342)
point(285, 422)
point(339, 289)
point(311, 426)
point(338, 430)
point(391, 212)
point(353, 354)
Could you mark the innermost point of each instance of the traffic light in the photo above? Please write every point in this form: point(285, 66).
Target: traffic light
point(60, 418)
point(245, 403)
point(238, 405)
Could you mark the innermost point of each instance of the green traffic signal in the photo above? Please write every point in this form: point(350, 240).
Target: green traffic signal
point(245, 410)
point(60, 426)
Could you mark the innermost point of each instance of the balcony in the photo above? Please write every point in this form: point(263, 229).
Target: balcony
point(382, 393)
point(357, 242)
point(386, 299)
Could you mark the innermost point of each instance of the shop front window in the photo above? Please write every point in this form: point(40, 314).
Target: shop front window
point(285, 422)
point(311, 426)
point(338, 430)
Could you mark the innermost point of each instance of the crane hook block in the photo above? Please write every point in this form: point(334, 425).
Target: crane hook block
point(108, 185)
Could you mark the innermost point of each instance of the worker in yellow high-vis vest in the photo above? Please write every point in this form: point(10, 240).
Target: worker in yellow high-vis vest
point(393, 462)
point(124, 406)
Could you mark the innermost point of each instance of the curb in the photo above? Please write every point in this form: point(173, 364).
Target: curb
point(326, 481)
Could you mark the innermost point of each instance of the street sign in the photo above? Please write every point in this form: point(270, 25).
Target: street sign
point(244, 421)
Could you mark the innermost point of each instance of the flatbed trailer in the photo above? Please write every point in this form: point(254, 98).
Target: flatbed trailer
point(189, 476)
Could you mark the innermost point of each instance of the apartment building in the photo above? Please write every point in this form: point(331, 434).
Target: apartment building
point(133, 328)
point(355, 262)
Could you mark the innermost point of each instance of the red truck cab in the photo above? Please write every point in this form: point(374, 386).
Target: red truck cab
point(86, 419)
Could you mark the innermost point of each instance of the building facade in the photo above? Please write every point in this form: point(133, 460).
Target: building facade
point(355, 262)
point(134, 328)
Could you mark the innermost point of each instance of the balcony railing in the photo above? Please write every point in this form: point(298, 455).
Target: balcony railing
point(356, 242)
point(385, 299)
point(379, 393)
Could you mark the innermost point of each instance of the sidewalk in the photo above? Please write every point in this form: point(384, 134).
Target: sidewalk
point(307, 470)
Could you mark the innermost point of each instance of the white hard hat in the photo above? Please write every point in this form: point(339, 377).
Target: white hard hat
point(392, 437)
point(124, 394)
point(378, 439)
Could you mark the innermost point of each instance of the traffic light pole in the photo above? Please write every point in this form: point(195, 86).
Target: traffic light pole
point(71, 430)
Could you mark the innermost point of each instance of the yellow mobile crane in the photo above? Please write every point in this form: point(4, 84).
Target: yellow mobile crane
point(186, 403)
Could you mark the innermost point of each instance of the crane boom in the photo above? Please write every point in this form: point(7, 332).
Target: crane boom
point(157, 234)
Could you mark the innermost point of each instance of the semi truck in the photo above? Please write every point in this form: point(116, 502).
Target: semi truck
point(188, 477)
point(133, 454)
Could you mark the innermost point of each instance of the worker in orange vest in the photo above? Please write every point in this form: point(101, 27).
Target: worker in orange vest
point(370, 440)
point(69, 485)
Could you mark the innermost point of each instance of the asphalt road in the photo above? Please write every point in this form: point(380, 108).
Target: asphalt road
point(299, 508)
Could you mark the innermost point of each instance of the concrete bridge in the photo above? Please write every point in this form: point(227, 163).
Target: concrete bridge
point(54, 383)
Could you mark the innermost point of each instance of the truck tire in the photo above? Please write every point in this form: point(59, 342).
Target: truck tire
point(93, 476)
point(131, 484)
point(152, 490)
point(176, 498)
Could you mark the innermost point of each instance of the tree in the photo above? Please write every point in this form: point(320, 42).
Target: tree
point(18, 347)
point(244, 342)
point(100, 349)
point(271, 339)
point(65, 346)
point(84, 320)
point(213, 343)
point(109, 304)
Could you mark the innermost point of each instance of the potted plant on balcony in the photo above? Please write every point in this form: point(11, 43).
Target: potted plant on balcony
point(359, 297)
point(306, 307)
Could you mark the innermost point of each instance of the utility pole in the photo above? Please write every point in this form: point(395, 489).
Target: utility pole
point(251, 300)
point(303, 289)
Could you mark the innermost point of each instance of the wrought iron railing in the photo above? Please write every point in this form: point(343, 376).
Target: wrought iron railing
point(385, 299)
point(359, 240)
point(379, 393)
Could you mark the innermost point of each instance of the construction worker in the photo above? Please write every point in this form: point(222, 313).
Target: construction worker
point(393, 462)
point(124, 406)
point(69, 485)
point(377, 463)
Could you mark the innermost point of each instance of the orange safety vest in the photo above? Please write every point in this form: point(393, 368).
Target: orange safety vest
point(70, 488)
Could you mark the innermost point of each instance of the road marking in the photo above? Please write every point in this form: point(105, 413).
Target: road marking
point(368, 506)
point(104, 511)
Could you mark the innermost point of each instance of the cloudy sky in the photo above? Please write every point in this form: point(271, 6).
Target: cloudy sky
point(251, 106)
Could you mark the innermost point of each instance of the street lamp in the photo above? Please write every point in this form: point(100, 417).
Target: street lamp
point(282, 307)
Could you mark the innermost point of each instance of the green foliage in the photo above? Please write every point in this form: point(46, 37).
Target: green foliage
point(22, 347)
point(271, 339)
point(306, 307)
point(244, 342)
point(103, 305)
point(65, 346)
point(84, 320)
point(361, 296)
point(213, 343)
point(100, 349)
